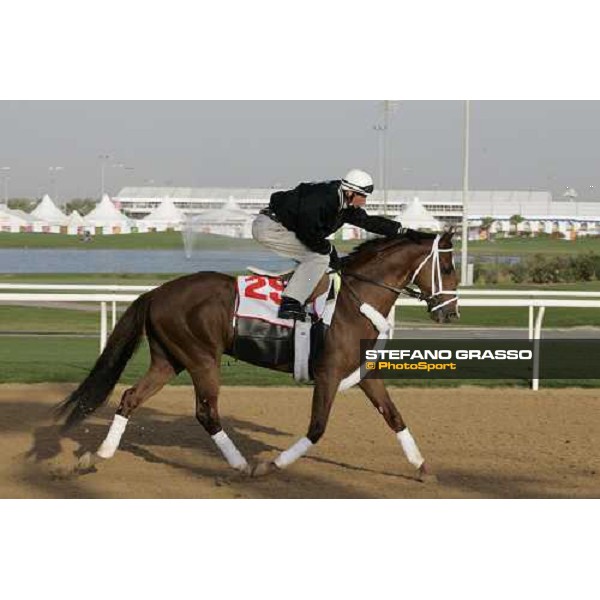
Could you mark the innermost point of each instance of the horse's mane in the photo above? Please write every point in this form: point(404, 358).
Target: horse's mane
point(370, 248)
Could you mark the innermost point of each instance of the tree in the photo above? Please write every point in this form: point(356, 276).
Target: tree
point(486, 225)
point(24, 204)
point(514, 222)
point(82, 205)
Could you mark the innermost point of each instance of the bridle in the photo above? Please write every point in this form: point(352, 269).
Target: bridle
point(437, 286)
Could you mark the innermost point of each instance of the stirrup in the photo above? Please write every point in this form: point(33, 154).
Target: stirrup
point(291, 309)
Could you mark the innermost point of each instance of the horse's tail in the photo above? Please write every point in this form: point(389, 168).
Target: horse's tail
point(103, 377)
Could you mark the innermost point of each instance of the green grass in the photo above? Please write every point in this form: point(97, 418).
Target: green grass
point(60, 320)
point(503, 317)
point(168, 240)
point(89, 278)
point(38, 319)
point(30, 359)
point(523, 246)
point(578, 286)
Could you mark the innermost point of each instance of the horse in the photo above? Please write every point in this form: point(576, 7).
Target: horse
point(188, 323)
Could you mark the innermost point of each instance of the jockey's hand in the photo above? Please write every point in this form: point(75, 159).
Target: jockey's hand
point(335, 262)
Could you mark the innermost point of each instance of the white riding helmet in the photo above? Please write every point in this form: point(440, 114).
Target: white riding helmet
point(358, 181)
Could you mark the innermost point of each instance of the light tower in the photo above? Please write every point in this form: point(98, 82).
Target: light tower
point(465, 200)
point(382, 130)
point(53, 179)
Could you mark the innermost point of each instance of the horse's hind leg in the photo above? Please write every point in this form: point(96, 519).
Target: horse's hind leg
point(377, 393)
point(158, 374)
point(206, 385)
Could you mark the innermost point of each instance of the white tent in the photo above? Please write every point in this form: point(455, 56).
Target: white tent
point(11, 221)
point(76, 220)
point(165, 216)
point(76, 224)
point(229, 220)
point(21, 214)
point(15, 220)
point(416, 216)
point(47, 211)
point(109, 217)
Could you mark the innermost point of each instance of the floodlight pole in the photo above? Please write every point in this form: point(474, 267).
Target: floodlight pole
point(386, 126)
point(380, 129)
point(54, 178)
point(465, 209)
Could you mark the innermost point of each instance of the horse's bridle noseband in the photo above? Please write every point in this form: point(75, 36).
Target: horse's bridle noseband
point(436, 276)
point(436, 280)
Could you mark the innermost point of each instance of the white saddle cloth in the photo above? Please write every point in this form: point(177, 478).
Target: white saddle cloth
point(259, 297)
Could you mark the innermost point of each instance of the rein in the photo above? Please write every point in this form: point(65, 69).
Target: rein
point(436, 280)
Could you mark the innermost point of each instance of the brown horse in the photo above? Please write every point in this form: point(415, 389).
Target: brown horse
point(188, 324)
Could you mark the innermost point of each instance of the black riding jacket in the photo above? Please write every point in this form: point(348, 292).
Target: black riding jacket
point(315, 210)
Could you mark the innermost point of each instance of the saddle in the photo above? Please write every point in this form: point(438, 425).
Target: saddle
point(263, 339)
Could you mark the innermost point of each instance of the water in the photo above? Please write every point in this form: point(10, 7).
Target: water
point(158, 261)
point(135, 261)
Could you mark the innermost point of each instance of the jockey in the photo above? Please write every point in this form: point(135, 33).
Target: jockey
point(297, 222)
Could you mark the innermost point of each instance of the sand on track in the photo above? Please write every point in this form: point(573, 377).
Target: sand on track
point(482, 443)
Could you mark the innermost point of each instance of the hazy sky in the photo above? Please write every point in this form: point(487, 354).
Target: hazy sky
point(514, 145)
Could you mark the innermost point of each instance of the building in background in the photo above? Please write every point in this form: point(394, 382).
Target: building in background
point(489, 211)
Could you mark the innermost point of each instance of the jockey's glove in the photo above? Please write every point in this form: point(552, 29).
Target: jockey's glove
point(335, 262)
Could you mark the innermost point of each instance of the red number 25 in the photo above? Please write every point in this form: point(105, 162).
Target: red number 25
point(274, 288)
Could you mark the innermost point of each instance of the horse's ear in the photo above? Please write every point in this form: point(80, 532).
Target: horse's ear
point(446, 239)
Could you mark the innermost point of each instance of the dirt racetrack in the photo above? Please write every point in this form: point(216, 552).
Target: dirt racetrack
point(482, 443)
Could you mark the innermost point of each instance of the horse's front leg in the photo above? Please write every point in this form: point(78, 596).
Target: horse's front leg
point(323, 396)
point(377, 393)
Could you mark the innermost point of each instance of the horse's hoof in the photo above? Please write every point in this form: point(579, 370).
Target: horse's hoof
point(87, 461)
point(264, 468)
point(425, 476)
point(245, 470)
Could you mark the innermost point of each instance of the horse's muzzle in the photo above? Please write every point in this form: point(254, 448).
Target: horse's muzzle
point(445, 314)
point(442, 316)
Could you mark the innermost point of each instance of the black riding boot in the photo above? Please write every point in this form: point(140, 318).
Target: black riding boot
point(291, 309)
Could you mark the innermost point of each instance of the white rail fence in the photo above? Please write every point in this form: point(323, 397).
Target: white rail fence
point(113, 294)
point(531, 299)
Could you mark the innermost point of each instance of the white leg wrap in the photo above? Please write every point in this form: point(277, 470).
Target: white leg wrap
point(230, 452)
point(410, 448)
point(293, 453)
point(113, 439)
point(379, 321)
